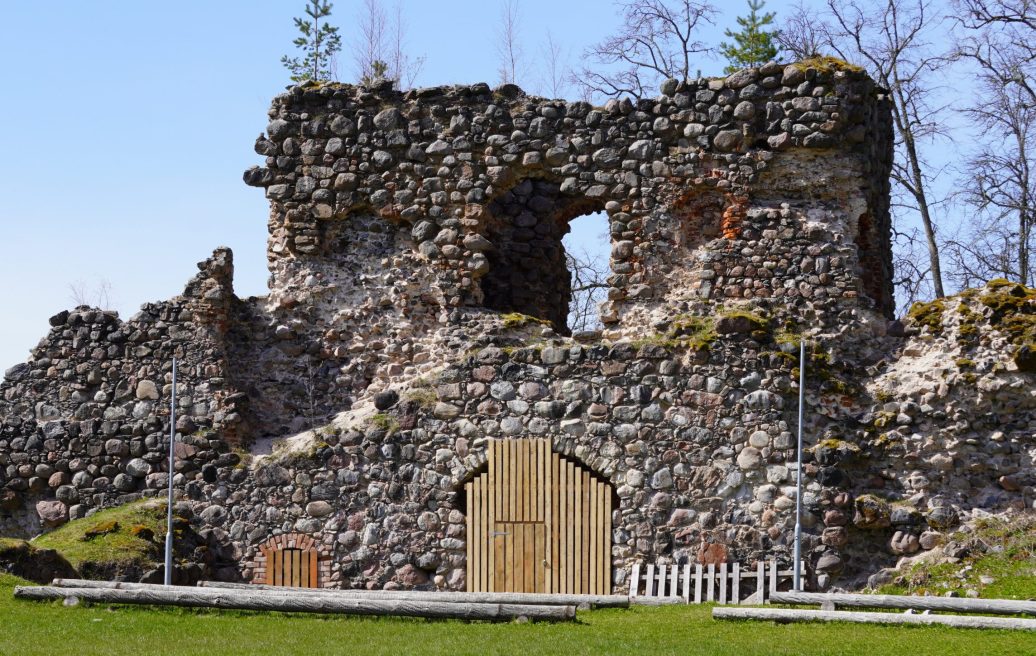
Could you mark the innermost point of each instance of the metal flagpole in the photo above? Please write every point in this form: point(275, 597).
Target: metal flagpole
point(169, 508)
point(798, 471)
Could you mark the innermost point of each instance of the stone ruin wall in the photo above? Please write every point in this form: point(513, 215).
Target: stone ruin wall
point(402, 226)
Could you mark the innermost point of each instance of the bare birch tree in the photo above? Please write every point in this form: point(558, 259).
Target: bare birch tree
point(1000, 39)
point(893, 40)
point(380, 50)
point(508, 45)
point(370, 49)
point(555, 73)
point(403, 68)
point(658, 39)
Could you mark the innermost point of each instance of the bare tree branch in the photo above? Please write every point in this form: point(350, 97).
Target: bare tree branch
point(589, 274)
point(800, 33)
point(657, 40)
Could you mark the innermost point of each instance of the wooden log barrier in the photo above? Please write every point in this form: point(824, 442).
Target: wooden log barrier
point(527, 599)
point(957, 605)
point(785, 615)
point(293, 603)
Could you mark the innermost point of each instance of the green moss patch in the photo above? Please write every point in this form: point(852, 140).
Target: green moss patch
point(928, 315)
point(518, 320)
point(826, 64)
point(1012, 310)
point(692, 331)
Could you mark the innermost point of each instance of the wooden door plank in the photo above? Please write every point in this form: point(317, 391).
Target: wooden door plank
point(529, 559)
point(592, 540)
point(497, 479)
point(555, 524)
point(586, 531)
point(314, 570)
point(304, 570)
point(275, 568)
point(607, 538)
point(296, 567)
point(540, 562)
point(510, 469)
point(601, 526)
point(490, 541)
point(522, 481)
point(478, 528)
point(500, 553)
point(485, 524)
point(507, 540)
point(567, 526)
point(472, 538)
point(282, 567)
point(514, 548)
point(544, 463)
point(548, 518)
point(577, 543)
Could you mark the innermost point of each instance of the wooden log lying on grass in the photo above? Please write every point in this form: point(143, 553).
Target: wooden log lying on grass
point(295, 603)
point(957, 605)
point(784, 615)
point(599, 601)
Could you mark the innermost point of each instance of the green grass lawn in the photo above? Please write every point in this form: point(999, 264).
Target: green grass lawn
point(28, 628)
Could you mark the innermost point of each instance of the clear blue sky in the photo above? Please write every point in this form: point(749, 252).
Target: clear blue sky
point(127, 125)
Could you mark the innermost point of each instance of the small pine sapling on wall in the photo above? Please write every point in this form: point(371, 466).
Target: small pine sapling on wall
point(318, 41)
point(753, 45)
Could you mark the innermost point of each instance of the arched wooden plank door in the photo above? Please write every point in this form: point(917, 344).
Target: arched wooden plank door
point(537, 522)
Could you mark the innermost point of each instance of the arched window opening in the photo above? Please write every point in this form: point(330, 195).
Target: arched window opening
point(531, 269)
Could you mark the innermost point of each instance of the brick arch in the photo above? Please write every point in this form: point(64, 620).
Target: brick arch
point(262, 560)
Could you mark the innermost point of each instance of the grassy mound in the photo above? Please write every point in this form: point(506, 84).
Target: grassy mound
point(998, 560)
point(117, 539)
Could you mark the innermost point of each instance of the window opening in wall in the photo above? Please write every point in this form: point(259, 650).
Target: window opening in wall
point(543, 256)
point(587, 247)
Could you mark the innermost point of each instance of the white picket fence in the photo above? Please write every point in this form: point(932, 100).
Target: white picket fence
point(695, 584)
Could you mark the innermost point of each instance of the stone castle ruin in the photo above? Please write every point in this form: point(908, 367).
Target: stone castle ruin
point(414, 345)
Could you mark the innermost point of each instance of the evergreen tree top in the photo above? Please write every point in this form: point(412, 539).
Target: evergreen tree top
point(753, 44)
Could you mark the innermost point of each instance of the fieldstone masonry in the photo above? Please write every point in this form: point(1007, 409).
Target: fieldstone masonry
point(417, 308)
